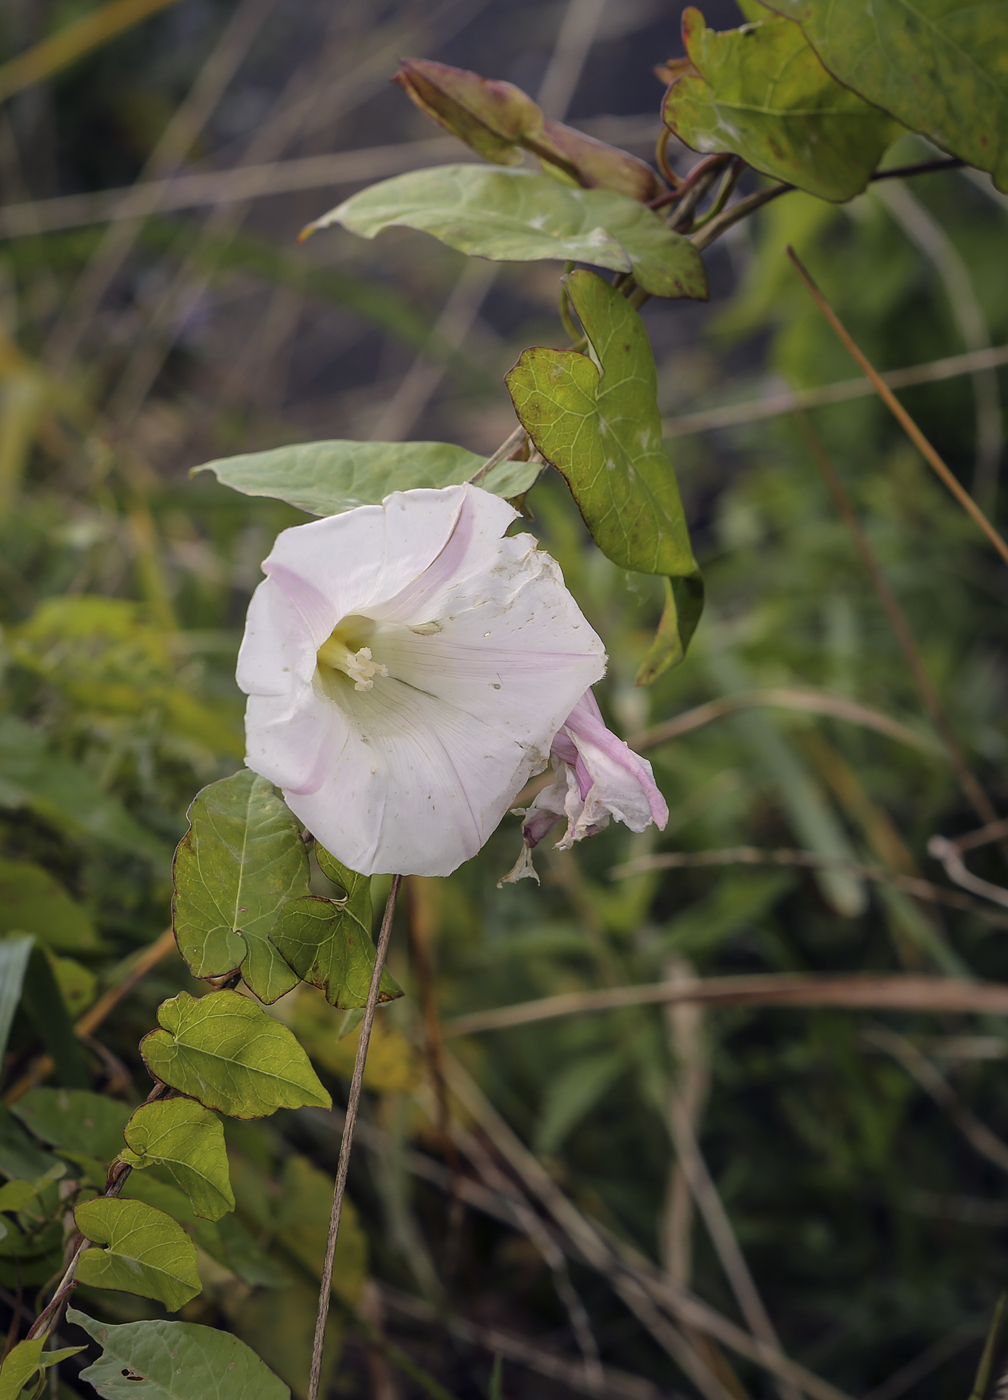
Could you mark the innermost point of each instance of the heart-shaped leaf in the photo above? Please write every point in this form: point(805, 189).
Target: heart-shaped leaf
point(160, 1360)
point(602, 431)
point(188, 1140)
point(240, 861)
point(325, 478)
point(761, 93)
point(225, 1051)
point(519, 216)
point(147, 1253)
point(328, 941)
point(937, 67)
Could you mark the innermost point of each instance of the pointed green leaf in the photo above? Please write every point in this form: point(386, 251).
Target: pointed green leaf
point(327, 946)
point(761, 93)
point(75, 1120)
point(14, 955)
point(20, 1159)
point(225, 1051)
point(240, 861)
point(938, 67)
point(325, 478)
point(519, 216)
point(147, 1253)
point(188, 1139)
point(602, 431)
point(24, 1361)
point(684, 601)
point(159, 1360)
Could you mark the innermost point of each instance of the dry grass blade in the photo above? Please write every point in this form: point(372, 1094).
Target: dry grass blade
point(977, 1134)
point(855, 991)
point(73, 41)
point(754, 410)
point(616, 1385)
point(955, 868)
point(812, 702)
point(899, 412)
point(810, 860)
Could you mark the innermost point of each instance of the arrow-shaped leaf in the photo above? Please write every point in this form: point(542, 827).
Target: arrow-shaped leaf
point(240, 861)
point(225, 1051)
point(160, 1360)
point(602, 430)
point(188, 1139)
point(147, 1253)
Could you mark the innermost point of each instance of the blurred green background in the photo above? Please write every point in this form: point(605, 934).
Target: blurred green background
point(156, 311)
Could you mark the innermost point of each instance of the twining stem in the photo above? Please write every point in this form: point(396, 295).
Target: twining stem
point(343, 1166)
point(898, 411)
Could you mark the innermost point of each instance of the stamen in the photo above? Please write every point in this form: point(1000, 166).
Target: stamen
point(358, 665)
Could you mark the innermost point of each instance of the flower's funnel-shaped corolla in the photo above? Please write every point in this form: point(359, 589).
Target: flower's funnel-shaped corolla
point(407, 669)
point(595, 777)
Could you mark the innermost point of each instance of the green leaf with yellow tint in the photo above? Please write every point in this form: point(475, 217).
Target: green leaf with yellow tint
point(31, 901)
point(188, 1140)
point(159, 1360)
point(146, 1253)
point(761, 93)
point(519, 216)
point(328, 945)
point(241, 860)
point(937, 67)
point(227, 1053)
point(601, 429)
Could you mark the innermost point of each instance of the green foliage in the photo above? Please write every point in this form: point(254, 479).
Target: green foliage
point(43, 1005)
point(328, 941)
point(25, 1361)
point(188, 1140)
point(599, 425)
point(225, 1051)
point(938, 68)
point(64, 794)
point(175, 1361)
point(761, 93)
point(325, 478)
point(240, 861)
point(147, 1253)
point(31, 901)
point(75, 1120)
point(14, 955)
point(518, 216)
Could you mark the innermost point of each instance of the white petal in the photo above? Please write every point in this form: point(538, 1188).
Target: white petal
point(368, 555)
point(418, 786)
point(278, 650)
point(294, 741)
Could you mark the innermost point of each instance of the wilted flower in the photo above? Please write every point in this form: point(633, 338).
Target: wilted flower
point(407, 669)
point(595, 777)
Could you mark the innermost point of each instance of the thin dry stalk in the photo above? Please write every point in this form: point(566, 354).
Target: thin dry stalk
point(810, 702)
point(343, 1166)
point(810, 860)
point(753, 410)
point(684, 1020)
point(902, 991)
point(899, 412)
point(955, 868)
point(937, 1087)
point(923, 229)
point(929, 1360)
point(646, 1291)
point(171, 150)
point(690, 1087)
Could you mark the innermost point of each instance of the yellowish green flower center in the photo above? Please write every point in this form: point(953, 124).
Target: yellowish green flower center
point(344, 650)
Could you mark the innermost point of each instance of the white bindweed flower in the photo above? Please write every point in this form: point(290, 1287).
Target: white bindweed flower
point(407, 669)
point(595, 776)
